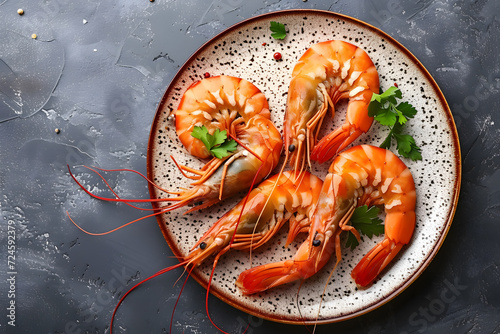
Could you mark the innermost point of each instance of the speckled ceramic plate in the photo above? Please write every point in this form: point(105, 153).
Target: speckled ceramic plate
point(246, 50)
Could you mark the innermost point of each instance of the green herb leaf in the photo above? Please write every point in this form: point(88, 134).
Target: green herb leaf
point(387, 142)
point(391, 93)
point(278, 29)
point(219, 137)
point(384, 109)
point(224, 149)
point(406, 147)
point(201, 133)
point(365, 220)
point(407, 109)
point(351, 241)
point(386, 117)
point(217, 144)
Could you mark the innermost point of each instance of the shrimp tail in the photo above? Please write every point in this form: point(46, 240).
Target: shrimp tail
point(267, 276)
point(375, 261)
point(357, 122)
point(307, 261)
point(333, 143)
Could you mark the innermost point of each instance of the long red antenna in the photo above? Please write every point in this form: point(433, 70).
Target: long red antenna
point(114, 199)
point(165, 270)
point(129, 170)
point(115, 229)
point(178, 298)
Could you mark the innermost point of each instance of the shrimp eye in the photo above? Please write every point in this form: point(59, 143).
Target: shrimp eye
point(203, 245)
point(316, 242)
point(291, 148)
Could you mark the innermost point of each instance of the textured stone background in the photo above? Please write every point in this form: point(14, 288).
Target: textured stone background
point(97, 71)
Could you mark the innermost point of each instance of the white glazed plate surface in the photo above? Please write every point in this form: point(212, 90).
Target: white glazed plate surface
point(240, 51)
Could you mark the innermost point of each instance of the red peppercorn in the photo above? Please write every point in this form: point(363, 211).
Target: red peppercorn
point(206, 75)
point(277, 56)
point(264, 44)
point(396, 85)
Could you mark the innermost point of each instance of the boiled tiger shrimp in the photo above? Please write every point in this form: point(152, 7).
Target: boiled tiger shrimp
point(361, 175)
point(255, 219)
point(326, 73)
point(238, 107)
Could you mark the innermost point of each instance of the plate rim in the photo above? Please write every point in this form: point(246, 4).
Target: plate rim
point(454, 136)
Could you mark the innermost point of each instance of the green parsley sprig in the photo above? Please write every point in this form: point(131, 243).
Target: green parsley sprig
point(217, 144)
point(367, 222)
point(278, 29)
point(386, 110)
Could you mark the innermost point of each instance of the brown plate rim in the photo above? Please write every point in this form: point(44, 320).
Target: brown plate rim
point(451, 123)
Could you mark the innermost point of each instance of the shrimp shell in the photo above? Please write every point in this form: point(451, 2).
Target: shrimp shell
point(361, 175)
point(326, 73)
point(255, 219)
point(234, 105)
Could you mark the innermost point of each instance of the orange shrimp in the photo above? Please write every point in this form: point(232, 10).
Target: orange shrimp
point(216, 102)
point(254, 220)
point(240, 108)
point(361, 175)
point(325, 74)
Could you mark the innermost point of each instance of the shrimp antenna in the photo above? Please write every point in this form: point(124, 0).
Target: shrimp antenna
point(324, 292)
point(343, 224)
point(150, 200)
point(181, 169)
point(93, 168)
point(216, 260)
point(128, 170)
point(298, 305)
point(110, 188)
point(165, 270)
point(178, 298)
point(115, 229)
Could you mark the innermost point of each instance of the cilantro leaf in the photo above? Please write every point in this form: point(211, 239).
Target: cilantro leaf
point(217, 144)
point(387, 142)
point(407, 109)
point(386, 117)
point(392, 92)
point(351, 241)
point(219, 137)
point(366, 221)
point(384, 109)
point(223, 149)
point(278, 29)
point(406, 147)
point(389, 95)
point(201, 133)
point(401, 118)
